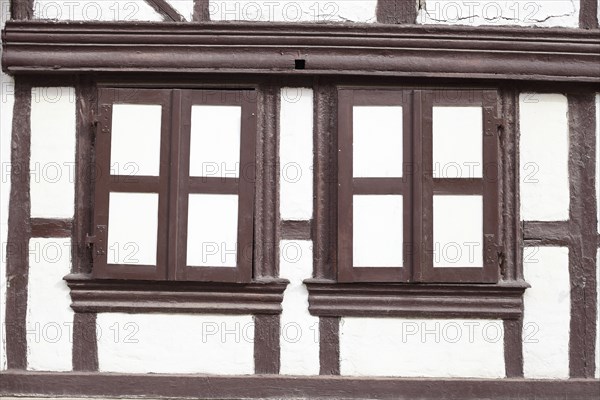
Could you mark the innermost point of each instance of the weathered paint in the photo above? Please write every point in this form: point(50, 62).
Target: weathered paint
point(545, 13)
point(87, 10)
point(293, 11)
point(547, 313)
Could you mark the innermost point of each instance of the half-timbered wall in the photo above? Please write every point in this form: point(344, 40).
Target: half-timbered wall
point(557, 132)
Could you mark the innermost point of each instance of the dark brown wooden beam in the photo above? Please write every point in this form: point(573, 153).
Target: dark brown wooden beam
point(588, 14)
point(397, 11)
point(19, 231)
point(266, 229)
point(271, 386)
point(513, 348)
point(583, 234)
point(511, 231)
point(546, 233)
point(86, 103)
point(51, 228)
point(21, 9)
point(85, 342)
point(549, 54)
point(266, 344)
point(324, 231)
point(165, 10)
point(201, 11)
point(296, 230)
point(329, 345)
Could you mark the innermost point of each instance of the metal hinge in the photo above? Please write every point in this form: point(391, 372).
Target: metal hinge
point(98, 241)
point(103, 119)
point(492, 252)
point(492, 123)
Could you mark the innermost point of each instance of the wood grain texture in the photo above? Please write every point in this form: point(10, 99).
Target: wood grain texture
point(201, 11)
point(98, 295)
point(279, 387)
point(327, 298)
point(86, 106)
point(21, 9)
point(51, 228)
point(582, 234)
point(85, 342)
point(266, 344)
point(588, 14)
point(324, 231)
point(546, 233)
point(499, 53)
point(329, 345)
point(19, 231)
point(266, 228)
point(513, 348)
point(166, 10)
point(296, 230)
point(397, 11)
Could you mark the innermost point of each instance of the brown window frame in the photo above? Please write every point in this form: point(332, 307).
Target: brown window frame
point(499, 298)
point(417, 185)
point(174, 184)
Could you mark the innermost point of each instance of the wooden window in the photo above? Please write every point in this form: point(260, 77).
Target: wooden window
point(417, 186)
point(174, 191)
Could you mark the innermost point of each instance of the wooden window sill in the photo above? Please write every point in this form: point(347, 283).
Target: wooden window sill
point(91, 295)
point(486, 301)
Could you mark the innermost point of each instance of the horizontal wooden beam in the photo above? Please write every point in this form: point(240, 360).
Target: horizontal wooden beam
point(502, 301)
point(547, 54)
point(51, 228)
point(76, 384)
point(296, 230)
point(546, 233)
point(90, 295)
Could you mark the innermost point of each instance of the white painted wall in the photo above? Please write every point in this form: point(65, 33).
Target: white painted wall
point(421, 347)
point(162, 343)
point(293, 10)
point(49, 313)
point(547, 313)
point(89, 10)
point(52, 161)
point(299, 330)
point(296, 154)
point(6, 111)
point(544, 157)
point(544, 13)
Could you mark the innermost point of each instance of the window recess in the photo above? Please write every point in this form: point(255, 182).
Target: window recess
point(418, 186)
point(174, 191)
